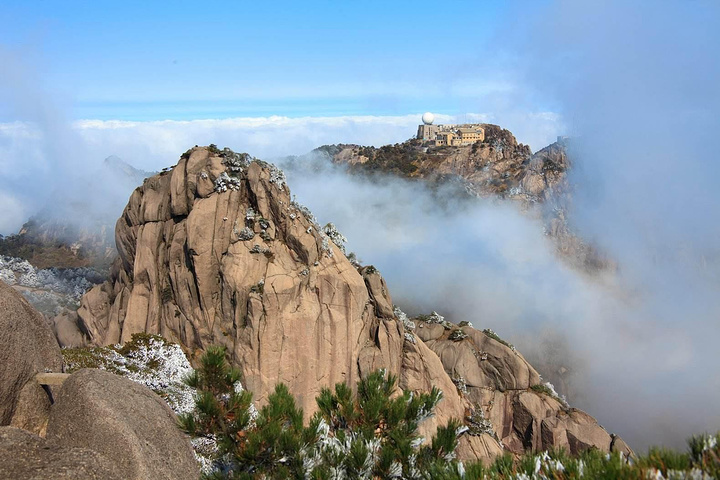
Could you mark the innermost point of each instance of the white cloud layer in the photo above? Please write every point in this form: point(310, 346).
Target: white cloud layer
point(33, 164)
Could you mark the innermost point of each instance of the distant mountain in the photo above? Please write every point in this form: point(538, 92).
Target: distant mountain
point(77, 226)
point(497, 166)
point(134, 175)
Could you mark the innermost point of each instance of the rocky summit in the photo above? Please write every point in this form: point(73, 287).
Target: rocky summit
point(215, 251)
point(495, 167)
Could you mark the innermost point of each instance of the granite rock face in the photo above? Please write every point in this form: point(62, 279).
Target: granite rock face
point(214, 251)
point(27, 347)
point(202, 263)
point(29, 457)
point(125, 422)
point(503, 395)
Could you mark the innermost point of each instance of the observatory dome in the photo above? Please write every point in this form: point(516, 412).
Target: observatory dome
point(428, 118)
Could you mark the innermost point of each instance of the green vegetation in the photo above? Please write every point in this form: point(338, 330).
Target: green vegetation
point(186, 155)
point(149, 360)
point(372, 434)
point(457, 335)
point(495, 337)
point(48, 253)
point(401, 159)
point(544, 389)
point(112, 358)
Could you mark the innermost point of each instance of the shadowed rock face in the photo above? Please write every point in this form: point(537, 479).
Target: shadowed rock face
point(123, 421)
point(208, 259)
point(27, 347)
point(29, 457)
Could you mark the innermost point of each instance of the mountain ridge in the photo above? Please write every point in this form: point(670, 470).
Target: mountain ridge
point(214, 251)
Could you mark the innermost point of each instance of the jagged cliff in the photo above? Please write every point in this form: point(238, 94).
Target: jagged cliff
point(214, 251)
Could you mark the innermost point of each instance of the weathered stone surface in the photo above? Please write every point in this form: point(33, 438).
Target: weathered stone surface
point(429, 331)
point(27, 346)
point(186, 273)
point(124, 421)
point(619, 445)
point(379, 293)
point(28, 457)
point(479, 359)
point(485, 447)
point(32, 409)
point(67, 332)
point(421, 371)
point(575, 431)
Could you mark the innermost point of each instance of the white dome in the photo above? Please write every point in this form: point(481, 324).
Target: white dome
point(428, 118)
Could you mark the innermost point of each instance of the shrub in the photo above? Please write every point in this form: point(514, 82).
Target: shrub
point(435, 317)
point(495, 337)
point(544, 389)
point(333, 234)
point(457, 335)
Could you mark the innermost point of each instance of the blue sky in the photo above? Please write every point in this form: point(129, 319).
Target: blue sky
point(147, 60)
point(637, 85)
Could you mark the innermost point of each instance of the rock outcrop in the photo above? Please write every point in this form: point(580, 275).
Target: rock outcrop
point(246, 268)
point(214, 251)
point(27, 347)
point(123, 421)
point(504, 395)
point(29, 457)
point(492, 167)
point(498, 166)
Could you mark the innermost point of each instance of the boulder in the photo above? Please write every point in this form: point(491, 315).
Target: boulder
point(32, 410)
point(575, 431)
point(28, 457)
point(27, 346)
point(66, 330)
point(124, 421)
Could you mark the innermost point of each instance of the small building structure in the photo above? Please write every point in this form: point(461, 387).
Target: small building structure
point(449, 135)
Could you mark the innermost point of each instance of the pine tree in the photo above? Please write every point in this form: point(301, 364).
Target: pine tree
point(369, 435)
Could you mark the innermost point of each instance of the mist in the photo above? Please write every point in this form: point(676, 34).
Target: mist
point(643, 98)
point(35, 167)
point(635, 84)
point(638, 88)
